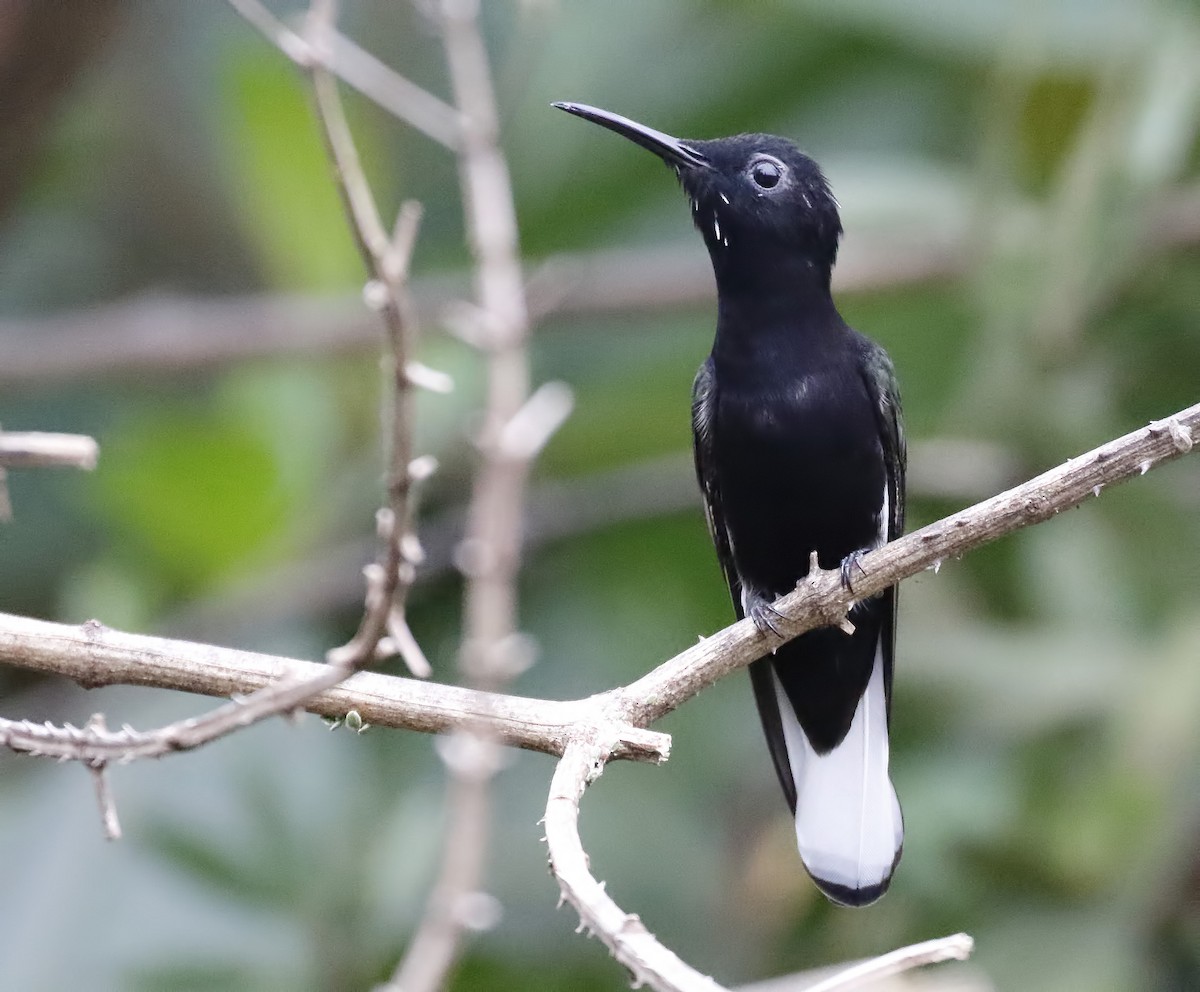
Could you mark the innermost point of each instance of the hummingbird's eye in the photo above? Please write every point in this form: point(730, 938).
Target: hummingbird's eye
point(766, 173)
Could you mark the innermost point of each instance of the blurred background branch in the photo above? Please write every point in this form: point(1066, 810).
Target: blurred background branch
point(39, 449)
point(36, 449)
point(175, 335)
point(492, 652)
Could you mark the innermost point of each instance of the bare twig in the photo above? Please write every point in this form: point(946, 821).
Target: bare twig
point(624, 934)
point(343, 58)
point(387, 261)
point(957, 947)
point(472, 759)
point(385, 583)
point(104, 799)
point(41, 450)
point(494, 525)
point(104, 796)
point(35, 449)
point(172, 334)
point(296, 686)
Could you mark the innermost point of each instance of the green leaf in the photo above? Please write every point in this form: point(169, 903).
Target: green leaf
point(197, 496)
point(282, 178)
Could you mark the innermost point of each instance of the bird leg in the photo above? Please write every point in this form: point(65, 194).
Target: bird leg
point(851, 562)
point(762, 611)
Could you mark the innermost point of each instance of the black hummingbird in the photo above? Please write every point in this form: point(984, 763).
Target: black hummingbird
point(799, 448)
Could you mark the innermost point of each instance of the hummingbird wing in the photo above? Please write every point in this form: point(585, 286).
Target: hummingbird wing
point(704, 412)
point(830, 753)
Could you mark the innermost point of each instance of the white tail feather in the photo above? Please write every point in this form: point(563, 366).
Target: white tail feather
point(848, 822)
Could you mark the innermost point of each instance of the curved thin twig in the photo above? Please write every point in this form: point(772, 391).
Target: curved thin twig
point(624, 934)
point(387, 260)
point(956, 947)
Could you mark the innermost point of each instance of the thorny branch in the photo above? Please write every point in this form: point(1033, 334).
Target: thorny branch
point(624, 934)
point(822, 599)
point(95, 656)
point(387, 582)
point(387, 259)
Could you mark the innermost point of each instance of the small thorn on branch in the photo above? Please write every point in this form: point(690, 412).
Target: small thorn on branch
point(404, 240)
point(422, 467)
point(473, 325)
point(376, 294)
point(536, 421)
point(957, 947)
point(478, 911)
point(814, 566)
point(1181, 435)
point(412, 549)
point(104, 796)
point(424, 377)
point(400, 641)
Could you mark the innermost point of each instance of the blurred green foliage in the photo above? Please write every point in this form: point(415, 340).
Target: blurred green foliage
point(1046, 747)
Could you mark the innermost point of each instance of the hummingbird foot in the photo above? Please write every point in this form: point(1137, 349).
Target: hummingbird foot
point(850, 564)
point(762, 611)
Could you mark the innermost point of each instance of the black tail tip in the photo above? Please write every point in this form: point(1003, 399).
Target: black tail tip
point(855, 898)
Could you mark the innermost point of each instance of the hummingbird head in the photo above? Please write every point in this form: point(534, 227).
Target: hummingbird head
point(753, 196)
